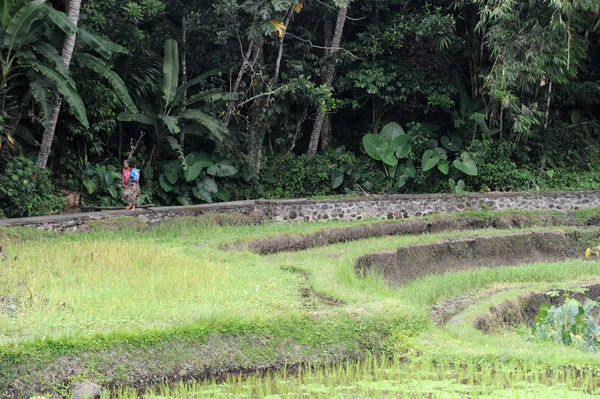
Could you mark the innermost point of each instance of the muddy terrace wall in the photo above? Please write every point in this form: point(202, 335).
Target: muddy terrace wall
point(383, 207)
point(420, 260)
point(524, 309)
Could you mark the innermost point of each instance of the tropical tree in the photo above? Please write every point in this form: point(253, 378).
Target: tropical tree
point(104, 48)
point(172, 113)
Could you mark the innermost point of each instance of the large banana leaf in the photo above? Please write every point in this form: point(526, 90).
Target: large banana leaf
point(175, 145)
point(100, 67)
point(51, 54)
point(66, 87)
point(170, 71)
point(135, 117)
point(172, 124)
point(61, 20)
point(216, 128)
point(209, 96)
point(104, 47)
point(5, 8)
point(41, 89)
point(186, 86)
point(21, 22)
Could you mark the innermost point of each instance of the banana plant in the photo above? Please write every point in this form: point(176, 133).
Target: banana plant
point(174, 112)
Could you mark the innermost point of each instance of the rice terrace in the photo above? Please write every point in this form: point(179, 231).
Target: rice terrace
point(221, 305)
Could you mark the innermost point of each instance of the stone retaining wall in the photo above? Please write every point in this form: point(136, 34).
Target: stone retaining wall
point(382, 207)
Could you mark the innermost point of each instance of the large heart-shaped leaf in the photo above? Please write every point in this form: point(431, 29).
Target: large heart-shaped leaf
point(466, 164)
point(374, 145)
point(401, 146)
point(202, 195)
point(388, 157)
point(199, 157)
point(91, 184)
point(208, 185)
point(451, 143)
point(391, 131)
point(172, 173)
point(337, 178)
point(444, 167)
point(429, 161)
point(193, 171)
point(222, 170)
point(164, 184)
point(401, 181)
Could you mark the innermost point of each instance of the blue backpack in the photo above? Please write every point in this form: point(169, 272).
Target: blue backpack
point(135, 175)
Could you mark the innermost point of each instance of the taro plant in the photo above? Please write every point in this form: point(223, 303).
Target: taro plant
point(390, 146)
point(393, 145)
point(570, 324)
point(98, 179)
point(197, 180)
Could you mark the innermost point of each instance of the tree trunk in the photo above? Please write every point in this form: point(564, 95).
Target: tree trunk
point(326, 129)
point(329, 74)
point(67, 54)
point(183, 68)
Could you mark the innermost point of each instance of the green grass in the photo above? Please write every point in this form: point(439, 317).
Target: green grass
point(127, 288)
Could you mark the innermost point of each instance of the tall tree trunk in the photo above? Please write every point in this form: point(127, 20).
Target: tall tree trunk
point(329, 74)
point(326, 129)
point(183, 67)
point(67, 54)
point(238, 82)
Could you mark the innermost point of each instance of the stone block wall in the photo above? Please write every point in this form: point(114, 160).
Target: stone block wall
point(404, 206)
point(303, 210)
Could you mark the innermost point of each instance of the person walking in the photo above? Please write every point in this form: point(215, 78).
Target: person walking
point(131, 184)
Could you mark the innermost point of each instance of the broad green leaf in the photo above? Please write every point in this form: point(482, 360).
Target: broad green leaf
point(20, 23)
point(222, 170)
point(429, 160)
point(400, 145)
point(170, 71)
point(374, 145)
point(467, 166)
point(61, 20)
point(199, 158)
point(189, 84)
point(165, 184)
point(208, 185)
point(444, 167)
point(112, 191)
point(5, 8)
point(91, 184)
point(51, 54)
point(103, 46)
point(172, 173)
point(224, 194)
point(336, 180)
point(193, 171)
point(172, 124)
point(41, 89)
point(135, 117)
point(452, 143)
point(401, 181)
point(391, 131)
point(388, 156)
point(202, 194)
point(115, 81)
point(410, 169)
point(66, 87)
point(433, 143)
point(215, 127)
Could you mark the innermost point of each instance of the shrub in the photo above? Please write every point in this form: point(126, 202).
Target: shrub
point(26, 190)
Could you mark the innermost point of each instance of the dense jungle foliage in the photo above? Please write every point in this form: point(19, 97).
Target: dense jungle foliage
point(236, 99)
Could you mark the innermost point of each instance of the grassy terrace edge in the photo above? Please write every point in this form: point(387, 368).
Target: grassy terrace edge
point(215, 346)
